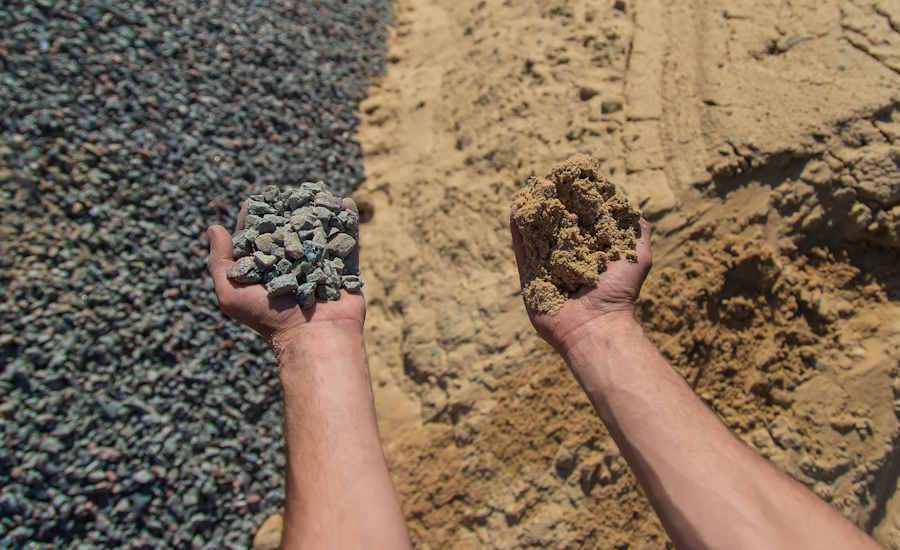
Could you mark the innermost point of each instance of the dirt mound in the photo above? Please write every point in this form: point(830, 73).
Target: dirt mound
point(760, 143)
point(573, 222)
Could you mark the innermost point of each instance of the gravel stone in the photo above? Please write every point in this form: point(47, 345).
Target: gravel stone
point(313, 252)
point(327, 200)
point(252, 220)
point(306, 295)
point(264, 261)
point(348, 220)
point(244, 270)
point(319, 236)
point(264, 243)
point(293, 247)
point(341, 245)
point(259, 208)
point(298, 198)
point(351, 283)
point(322, 213)
point(282, 285)
point(283, 266)
point(304, 218)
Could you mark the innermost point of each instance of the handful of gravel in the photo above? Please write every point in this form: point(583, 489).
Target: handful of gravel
point(299, 242)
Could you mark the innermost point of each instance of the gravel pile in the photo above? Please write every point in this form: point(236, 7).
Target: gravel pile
point(300, 243)
point(134, 414)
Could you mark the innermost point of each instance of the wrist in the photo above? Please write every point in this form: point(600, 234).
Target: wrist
point(332, 348)
point(582, 345)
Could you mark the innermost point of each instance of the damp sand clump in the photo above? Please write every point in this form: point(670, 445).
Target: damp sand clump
point(299, 242)
point(572, 223)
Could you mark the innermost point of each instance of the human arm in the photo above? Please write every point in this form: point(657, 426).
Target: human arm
point(338, 492)
point(708, 488)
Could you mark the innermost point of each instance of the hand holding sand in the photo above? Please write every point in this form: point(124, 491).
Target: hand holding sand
point(279, 316)
point(582, 251)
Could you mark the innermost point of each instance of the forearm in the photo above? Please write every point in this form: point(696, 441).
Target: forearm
point(338, 491)
point(709, 489)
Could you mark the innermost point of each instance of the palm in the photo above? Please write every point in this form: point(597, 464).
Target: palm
point(617, 290)
point(269, 316)
point(250, 303)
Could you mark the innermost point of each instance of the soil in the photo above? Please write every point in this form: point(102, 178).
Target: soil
point(572, 223)
point(761, 141)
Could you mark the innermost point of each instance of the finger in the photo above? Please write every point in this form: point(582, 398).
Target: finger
point(518, 249)
point(220, 259)
point(643, 244)
point(242, 216)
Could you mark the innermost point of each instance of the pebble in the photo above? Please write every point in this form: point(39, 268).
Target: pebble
point(244, 270)
point(351, 283)
point(264, 261)
point(327, 200)
point(282, 285)
point(264, 243)
point(293, 247)
point(341, 245)
point(306, 294)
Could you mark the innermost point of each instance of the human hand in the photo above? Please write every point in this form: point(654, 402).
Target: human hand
point(612, 299)
point(279, 320)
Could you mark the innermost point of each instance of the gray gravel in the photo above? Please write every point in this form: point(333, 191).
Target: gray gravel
point(134, 414)
point(299, 235)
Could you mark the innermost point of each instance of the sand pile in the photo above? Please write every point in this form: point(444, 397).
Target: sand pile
point(573, 222)
point(774, 292)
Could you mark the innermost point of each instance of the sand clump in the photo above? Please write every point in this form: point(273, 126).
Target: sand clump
point(573, 222)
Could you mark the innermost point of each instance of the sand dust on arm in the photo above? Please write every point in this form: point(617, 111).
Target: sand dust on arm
point(573, 222)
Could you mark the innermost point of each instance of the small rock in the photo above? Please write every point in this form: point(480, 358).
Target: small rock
point(264, 261)
point(351, 283)
point(278, 235)
point(327, 200)
point(264, 243)
point(306, 295)
point(341, 245)
point(332, 292)
point(293, 247)
point(349, 220)
point(282, 285)
point(611, 106)
point(142, 477)
point(244, 239)
point(283, 266)
point(297, 199)
point(313, 251)
point(304, 218)
point(244, 270)
point(316, 276)
point(259, 208)
point(338, 265)
point(319, 236)
point(322, 213)
point(585, 93)
point(252, 220)
point(313, 187)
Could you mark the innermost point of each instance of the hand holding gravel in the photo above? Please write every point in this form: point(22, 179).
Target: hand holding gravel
point(289, 249)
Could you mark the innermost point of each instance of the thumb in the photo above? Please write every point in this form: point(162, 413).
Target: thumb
point(220, 257)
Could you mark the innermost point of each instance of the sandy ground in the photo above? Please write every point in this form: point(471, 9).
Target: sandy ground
point(763, 143)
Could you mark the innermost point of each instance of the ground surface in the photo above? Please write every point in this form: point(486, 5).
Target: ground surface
point(763, 143)
point(133, 413)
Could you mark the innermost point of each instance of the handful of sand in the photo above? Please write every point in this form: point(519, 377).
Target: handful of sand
point(573, 222)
